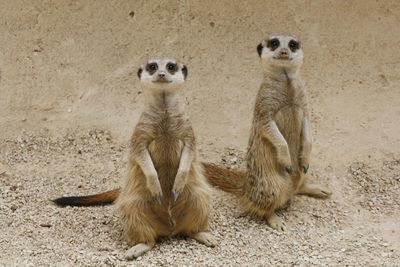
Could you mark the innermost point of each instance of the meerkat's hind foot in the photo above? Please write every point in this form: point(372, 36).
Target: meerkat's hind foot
point(275, 222)
point(315, 191)
point(137, 251)
point(205, 238)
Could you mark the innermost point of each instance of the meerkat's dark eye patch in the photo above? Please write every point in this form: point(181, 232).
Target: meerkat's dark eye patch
point(273, 44)
point(259, 49)
point(294, 45)
point(184, 71)
point(172, 67)
point(151, 68)
point(139, 72)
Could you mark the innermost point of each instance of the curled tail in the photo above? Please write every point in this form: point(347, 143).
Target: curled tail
point(104, 198)
point(230, 181)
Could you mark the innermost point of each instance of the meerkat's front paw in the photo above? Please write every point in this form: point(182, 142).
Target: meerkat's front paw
point(286, 164)
point(154, 186)
point(179, 184)
point(275, 222)
point(284, 160)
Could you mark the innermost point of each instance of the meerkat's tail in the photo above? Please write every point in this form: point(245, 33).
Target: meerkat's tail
point(230, 181)
point(104, 198)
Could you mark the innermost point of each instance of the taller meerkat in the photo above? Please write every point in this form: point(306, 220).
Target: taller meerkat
point(278, 154)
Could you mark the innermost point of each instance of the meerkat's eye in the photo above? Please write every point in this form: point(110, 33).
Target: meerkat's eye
point(172, 67)
point(294, 45)
point(273, 44)
point(152, 67)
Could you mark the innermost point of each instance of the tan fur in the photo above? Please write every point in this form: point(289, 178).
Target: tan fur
point(165, 192)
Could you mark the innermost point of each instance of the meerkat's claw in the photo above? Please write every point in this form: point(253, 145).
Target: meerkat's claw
point(315, 191)
point(179, 184)
point(289, 169)
point(325, 193)
point(137, 251)
point(175, 194)
point(205, 238)
point(275, 222)
point(155, 188)
point(305, 168)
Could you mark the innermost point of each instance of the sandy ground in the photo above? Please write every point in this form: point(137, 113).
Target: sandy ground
point(70, 99)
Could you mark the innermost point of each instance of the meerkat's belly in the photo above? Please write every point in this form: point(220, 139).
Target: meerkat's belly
point(289, 121)
point(165, 154)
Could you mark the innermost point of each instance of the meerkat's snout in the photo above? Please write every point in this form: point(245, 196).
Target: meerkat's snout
point(281, 50)
point(284, 53)
point(162, 77)
point(162, 74)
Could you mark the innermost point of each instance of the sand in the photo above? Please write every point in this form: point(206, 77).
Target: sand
point(70, 99)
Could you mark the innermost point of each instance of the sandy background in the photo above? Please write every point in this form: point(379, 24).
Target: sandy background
point(70, 99)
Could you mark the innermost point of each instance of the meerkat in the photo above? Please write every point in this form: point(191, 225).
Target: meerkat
point(278, 153)
point(279, 147)
point(165, 192)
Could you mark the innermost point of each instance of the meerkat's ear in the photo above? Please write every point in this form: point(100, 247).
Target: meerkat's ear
point(260, 48)
point(139, 72)
point(184, 71)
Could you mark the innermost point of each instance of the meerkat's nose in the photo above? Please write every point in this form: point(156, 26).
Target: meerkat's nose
point(284, 52)
point(161, 74)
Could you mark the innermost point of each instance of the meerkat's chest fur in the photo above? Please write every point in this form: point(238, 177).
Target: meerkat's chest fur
point(285, 95)
point(291, 109)
point(168, 125)
point(166, 120)
point(169, 129)
point(283, 101)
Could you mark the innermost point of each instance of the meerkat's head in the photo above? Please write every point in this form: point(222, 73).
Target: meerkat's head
point(281, 50)
point(162, 75)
